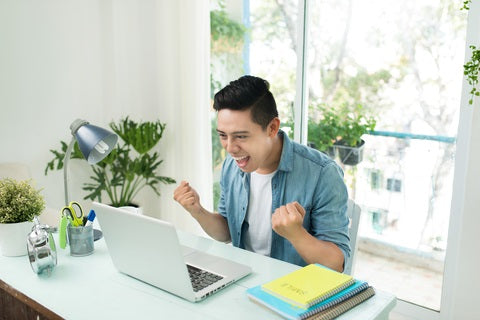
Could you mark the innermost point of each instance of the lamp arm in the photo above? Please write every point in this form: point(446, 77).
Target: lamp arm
point(65, 169)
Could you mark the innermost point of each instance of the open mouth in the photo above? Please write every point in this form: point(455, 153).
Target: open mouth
point(242, 161)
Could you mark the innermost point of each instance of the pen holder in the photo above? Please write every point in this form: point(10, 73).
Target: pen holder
point(80, 240)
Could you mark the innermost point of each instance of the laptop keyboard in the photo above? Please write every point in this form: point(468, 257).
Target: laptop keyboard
point(200, 278)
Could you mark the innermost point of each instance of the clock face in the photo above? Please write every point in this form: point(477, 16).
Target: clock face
point(42, 252)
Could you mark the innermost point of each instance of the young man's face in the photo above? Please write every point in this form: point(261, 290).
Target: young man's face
point(252, 147)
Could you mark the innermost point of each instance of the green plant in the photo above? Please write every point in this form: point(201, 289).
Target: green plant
point(472, 67)
point(324, 133)
point(128, 168)
point(227, 37)
point(470, 70)
point(226, 34)
point(466, 5)
point(218, 153)
point(343, 125)
point(354, 123)
point(19, 201)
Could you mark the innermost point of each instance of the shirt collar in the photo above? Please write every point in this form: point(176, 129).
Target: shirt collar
point(286, 159)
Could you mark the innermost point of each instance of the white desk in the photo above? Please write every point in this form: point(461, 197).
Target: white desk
point(91, 288)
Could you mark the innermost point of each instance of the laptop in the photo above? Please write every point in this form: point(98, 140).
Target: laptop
point(148, 249)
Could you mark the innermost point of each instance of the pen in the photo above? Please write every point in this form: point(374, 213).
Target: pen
point(90, 218)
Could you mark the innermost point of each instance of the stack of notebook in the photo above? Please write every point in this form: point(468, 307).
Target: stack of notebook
point(312, 292)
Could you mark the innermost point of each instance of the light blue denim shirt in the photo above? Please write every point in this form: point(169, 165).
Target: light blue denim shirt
point(304, 175)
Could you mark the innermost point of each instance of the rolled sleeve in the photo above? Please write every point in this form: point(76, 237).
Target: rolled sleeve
point(329, 220)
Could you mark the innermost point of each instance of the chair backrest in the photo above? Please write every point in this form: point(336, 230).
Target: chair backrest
point(354, 212)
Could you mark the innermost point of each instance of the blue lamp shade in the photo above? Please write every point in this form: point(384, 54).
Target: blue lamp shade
point(94, 142)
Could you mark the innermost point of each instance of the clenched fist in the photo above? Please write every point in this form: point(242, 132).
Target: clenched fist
point(287, 220)
point(187, 197)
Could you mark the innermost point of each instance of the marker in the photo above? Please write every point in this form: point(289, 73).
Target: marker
point(90, 218)
point(62, 235)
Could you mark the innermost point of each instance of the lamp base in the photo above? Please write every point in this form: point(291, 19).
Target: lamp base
point(97, 234)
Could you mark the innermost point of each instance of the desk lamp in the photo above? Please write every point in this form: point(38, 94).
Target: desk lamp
point(94, 142)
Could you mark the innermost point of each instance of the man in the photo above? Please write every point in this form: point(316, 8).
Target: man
point(264, 173)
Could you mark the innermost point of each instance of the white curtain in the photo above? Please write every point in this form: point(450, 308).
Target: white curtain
point(101, 61)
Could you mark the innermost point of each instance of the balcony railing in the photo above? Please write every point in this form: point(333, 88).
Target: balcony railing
point(404, 186)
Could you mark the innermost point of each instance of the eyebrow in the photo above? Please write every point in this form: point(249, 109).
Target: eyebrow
point(235, 132)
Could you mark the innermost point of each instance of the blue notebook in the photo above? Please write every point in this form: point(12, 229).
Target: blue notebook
point(290, 311)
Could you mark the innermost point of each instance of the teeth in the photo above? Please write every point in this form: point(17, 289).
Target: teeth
point(239, 158)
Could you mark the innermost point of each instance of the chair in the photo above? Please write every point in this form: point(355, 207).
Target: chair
point(353, 211)
point(20, 171)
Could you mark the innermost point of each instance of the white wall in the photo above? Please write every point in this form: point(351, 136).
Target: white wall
point(102, 60)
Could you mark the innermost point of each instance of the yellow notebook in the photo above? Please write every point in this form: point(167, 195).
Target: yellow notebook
point(308, 285)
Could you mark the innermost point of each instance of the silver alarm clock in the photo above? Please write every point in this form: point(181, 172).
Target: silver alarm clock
point(42, 252)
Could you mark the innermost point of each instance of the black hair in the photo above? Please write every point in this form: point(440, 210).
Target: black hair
point(248, 92)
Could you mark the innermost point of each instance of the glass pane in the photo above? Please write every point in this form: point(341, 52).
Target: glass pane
point(273, 50)
point(399, 63)
point(268, 26)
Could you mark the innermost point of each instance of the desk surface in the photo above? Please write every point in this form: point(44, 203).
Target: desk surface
point(91, 288)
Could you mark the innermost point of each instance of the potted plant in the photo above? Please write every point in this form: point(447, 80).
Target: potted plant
point(322, 134)
point(129, 168)
point(353, 124)
point(20, 202)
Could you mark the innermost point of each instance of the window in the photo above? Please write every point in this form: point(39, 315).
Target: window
point(399, 63)
point(267, 28)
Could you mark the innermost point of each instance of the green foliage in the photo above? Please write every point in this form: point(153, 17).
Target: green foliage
point(19, 201)
point(57, 162)
point(141, 136)
point(466, 5)
point(226, 45)
point(128, 168)
point(218, 153)
point(226, 34)
point(364, 87)
point(344, 125)
point(324, 133)
point(471, 69)
point(216, 194)
point(353, 125)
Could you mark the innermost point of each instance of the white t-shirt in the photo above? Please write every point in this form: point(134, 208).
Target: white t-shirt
point(259, 214)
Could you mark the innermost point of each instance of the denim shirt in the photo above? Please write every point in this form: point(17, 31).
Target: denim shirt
point(304, 175)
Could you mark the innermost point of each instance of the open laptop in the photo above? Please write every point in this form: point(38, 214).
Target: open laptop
point(148, 249)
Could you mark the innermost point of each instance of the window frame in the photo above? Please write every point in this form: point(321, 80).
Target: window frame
point(464, 135)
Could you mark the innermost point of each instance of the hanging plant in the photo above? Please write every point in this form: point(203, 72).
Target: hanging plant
point(472, 67)
point(466, 5)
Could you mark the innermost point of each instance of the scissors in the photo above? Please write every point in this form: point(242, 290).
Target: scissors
point(75, 212)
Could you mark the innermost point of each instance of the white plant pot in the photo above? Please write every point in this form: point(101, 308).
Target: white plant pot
point(13, 238)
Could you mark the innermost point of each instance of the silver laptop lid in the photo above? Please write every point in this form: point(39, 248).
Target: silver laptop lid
point(145, 248)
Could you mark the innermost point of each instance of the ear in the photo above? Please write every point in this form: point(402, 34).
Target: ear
point(273, 127)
